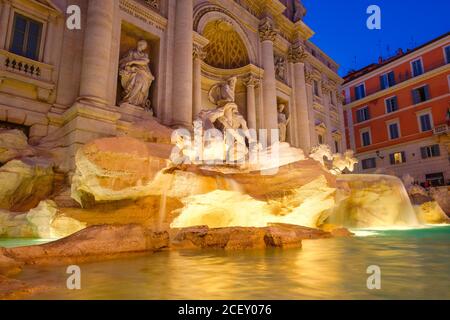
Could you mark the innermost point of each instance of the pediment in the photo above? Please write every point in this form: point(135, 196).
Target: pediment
point(49, 5)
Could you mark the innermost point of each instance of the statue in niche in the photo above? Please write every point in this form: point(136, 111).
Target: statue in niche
point(226, 116)
point(283, 122)
point(299, 10)
point(228, 121)
point(280, 68)
point(222, 93)
point(136, 76)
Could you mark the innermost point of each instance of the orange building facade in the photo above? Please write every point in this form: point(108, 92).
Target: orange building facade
point(397, 114)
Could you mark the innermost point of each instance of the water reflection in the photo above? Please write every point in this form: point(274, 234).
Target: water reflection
point(414, 265)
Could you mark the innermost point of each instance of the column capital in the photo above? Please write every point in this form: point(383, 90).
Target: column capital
point(297, 54)
point(326, 88)
point(251, 80)
point(267, 31)
point(309, 77)
point(198, 52)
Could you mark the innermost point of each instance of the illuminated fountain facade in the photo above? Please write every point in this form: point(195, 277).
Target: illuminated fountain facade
point(236, 121)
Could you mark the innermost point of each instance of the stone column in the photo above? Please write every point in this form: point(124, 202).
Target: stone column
point(183, 65)
point(340, 101)
point(4, 19)
point(198, 55)
point(297, 55)
point(327, 105)
point(267, 36)
point(97, 52)
point(48, 49)
point(251, 82)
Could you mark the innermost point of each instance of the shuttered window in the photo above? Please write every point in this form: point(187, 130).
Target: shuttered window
point(417, 68)
point(397, 158)
point(391, 104)
point(430, 151)
point(421, 94)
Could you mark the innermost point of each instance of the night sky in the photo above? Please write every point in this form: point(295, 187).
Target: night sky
point(341, 30)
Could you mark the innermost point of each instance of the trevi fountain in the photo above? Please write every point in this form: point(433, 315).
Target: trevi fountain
point(216, 211)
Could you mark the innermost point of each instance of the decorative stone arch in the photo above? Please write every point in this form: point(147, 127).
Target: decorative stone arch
point(206, 14)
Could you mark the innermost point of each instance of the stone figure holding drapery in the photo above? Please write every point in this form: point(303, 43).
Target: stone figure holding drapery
point(136, 77)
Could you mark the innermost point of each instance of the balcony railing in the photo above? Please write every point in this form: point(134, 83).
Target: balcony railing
point(441, 129)
point(26, 67)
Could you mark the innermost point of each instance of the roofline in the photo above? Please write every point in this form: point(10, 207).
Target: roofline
point(393, 59)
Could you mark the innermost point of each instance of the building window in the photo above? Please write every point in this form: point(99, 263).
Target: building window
point(26, 37)
point(425, 122)
point(387, 80)
point(447, 54)
point(362, 114)
point(332, 99)
point(435, 179)
point(394, 131)
point(391, 104)
point(320, 138)
point(417, 67)
point(360, 91)
point(316, 88)
point(430, 151)
point(365, 138)
point(397, 158)
point(421, 94)
point(336, 146)
point(370, 163)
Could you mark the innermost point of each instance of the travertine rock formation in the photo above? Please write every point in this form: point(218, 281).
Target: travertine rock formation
point(13, 145)
point(44, 221)
point(25, 182)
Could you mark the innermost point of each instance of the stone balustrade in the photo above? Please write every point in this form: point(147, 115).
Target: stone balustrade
point(21, 65)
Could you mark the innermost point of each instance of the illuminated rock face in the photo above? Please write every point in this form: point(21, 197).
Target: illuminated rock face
point(113, 170)
point(308, 205)
point(367, 201)
point(44, 221)
point(13, 145)
point(24, 183)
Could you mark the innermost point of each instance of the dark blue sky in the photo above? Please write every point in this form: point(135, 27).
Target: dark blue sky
point(341, 30)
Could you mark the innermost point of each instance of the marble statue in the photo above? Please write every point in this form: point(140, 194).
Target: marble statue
point(222, 93)
point(283, 122)
point(136, 77)
point(280, 68)
point(227, 120)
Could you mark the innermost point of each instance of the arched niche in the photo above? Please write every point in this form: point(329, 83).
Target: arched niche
point(206, 17)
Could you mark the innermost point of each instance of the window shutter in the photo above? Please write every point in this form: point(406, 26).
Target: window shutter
point(403, 156)
point(427, 92)
point(391, 78)
point(394, 104)
point(382, 83)
point(424, 152)
point(415, 95)
point(392, 157)
point(436, 150)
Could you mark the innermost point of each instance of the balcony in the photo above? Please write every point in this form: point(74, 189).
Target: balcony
point(442, 129)
point(35, 74)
